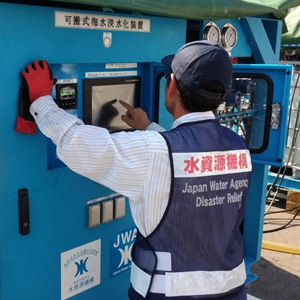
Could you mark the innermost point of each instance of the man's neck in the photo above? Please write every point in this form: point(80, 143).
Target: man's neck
point(177, 115)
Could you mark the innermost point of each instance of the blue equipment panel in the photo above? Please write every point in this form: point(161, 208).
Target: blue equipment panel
point(271, 91)
point(31, 265)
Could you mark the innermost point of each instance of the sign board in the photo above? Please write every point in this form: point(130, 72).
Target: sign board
point(68, 19)
point(120, 251)
point(80, 269)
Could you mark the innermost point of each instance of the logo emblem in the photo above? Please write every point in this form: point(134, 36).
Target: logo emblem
point(125, 255)
point(81, 267)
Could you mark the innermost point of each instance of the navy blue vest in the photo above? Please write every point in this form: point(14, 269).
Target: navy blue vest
point(200, 229)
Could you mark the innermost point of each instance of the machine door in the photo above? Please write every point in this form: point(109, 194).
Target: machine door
point(256, 108)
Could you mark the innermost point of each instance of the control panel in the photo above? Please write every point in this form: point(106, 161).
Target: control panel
point(105, 210)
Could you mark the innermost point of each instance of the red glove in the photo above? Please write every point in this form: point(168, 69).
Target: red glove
point(39, 79)
point(25, 121)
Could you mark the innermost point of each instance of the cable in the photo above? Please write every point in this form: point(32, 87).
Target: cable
point(280, 223)
point(284, 226)
point(280, 219)
point(290, 153)
point(284, 210)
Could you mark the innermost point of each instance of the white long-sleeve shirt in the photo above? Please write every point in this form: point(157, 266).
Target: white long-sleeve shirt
point(135, 164)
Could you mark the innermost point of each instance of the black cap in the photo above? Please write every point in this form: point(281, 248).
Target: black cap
point(198, 62)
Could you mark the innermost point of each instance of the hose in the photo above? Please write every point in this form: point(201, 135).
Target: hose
point(281, 247)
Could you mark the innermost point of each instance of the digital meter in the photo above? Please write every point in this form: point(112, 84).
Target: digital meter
point(66, 95)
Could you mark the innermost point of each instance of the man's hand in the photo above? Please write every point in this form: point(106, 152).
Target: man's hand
point(39, 79)
point(135, 117)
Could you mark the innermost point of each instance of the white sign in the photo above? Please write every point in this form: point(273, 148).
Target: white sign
point(100, 22)
point(66, 81)
point(110, 74)
point(121, 66)
point(80, 269)
point(200, 164)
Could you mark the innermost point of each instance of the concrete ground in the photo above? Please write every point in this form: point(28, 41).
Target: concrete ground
point(279, 273)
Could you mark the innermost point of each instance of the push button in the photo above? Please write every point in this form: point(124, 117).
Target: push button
point(119, 208)
point(94, 215)
point(107, 211)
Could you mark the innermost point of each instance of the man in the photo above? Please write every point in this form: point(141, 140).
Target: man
point(187, 187)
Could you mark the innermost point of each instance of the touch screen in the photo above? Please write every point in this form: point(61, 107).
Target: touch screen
point(101, 101)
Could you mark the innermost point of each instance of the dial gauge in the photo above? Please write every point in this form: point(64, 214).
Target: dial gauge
point(229, 36)
point(212, 32)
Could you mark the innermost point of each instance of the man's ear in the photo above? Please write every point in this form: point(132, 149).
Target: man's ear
point(173, 85)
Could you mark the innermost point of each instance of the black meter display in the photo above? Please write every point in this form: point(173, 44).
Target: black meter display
point(66, 95)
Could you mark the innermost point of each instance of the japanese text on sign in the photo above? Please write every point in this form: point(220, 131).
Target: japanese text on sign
point(80, 269)
point(101, 22)
point(211, 163)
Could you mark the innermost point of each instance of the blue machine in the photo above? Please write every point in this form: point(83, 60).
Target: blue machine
point(38, 265)
point(52, 243)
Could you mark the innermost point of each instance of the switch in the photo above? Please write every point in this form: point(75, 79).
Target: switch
point(107, 211)
point(94, 215)
point(119, 208)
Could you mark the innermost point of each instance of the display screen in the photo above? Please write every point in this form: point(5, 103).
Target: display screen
point(67, 93)
point(101, 101)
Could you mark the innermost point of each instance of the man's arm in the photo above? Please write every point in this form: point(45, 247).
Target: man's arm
point(155, 127)
point(88, 150)
point(137, 118)
point(93, 152)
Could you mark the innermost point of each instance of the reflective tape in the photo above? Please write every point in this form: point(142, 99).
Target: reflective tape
point(204, 282)
point(164, 262)
point(197, 283)
point(140, 280)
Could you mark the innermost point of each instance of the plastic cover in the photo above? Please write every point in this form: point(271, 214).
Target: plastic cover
point(287, 10)
point(193, 9)
point(292, 22)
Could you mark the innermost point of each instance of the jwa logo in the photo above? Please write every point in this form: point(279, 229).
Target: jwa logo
point(124, 245)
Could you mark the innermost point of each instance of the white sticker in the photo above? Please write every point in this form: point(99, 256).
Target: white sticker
point(121, 66)
point(66, 81)
point(80, 269)
point(110, 74)
point(200, 164)
point(101, 22)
